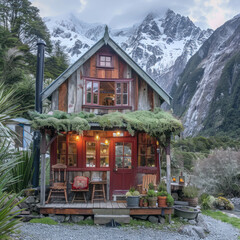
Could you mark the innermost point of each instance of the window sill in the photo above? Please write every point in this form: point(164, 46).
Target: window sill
point(98, 169)
point(107, 107)
point(101, 67)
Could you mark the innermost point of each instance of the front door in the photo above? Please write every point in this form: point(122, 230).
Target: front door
point(124, 164)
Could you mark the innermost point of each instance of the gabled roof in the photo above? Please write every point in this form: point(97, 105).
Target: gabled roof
point(106, 40)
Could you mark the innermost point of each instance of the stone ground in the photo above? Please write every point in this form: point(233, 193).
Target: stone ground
point(36, 231)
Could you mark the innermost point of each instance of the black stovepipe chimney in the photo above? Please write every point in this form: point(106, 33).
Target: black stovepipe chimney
point(38, 107)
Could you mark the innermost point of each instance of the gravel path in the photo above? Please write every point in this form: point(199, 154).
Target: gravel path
point(37, 231)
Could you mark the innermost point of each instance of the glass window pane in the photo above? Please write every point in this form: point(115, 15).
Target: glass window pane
point(108, 64)
point(127, 149)
point(151, 161)
point(89, 95)
point(125, 87)
point(90, 154)
point(118, 90)
point(89, 86)
point(118, 148)
point(142, 161)
point(95, 87)
point(119, 162)
point(72, 148)
point(104, 161)
point(95, 98)
point(102, 64)
point(125, 99)
point(102, 58)
point(72, 160)
point(127, 162)
point(118, 99)
point(108, 59)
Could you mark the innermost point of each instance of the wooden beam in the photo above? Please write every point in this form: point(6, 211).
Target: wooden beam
point(168, 160)
point(72, 211)
point(43, 168)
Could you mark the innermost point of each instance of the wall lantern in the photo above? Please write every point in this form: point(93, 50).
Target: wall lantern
point(174, 179)
point(181, 179)
point(97, 137)
point(106, 142)
point(77, 138)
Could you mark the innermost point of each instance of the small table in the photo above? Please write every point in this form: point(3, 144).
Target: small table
point(101, 190)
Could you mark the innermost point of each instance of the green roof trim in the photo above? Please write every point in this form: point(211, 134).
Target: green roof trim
point(107, 40)
point(157, 123)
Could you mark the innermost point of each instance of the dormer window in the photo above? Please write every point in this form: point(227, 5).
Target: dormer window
point(105, 61)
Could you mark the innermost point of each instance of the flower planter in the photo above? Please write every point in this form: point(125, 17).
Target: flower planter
point(133, 201)
point(152, 201)
point(186, 212)
point(162, 201)
point(193, 202)
point(141, 202)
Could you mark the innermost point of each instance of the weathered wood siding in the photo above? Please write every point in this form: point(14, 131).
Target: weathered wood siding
point(70, 96)
point(63, 97)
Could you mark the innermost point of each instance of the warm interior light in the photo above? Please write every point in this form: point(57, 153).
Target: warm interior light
point(174, 179)
point(118, 133)
point(97, 137)
point(157, 143)
point(77, 137)
point(106, 142)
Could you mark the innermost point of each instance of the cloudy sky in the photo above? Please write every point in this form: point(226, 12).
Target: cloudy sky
point(123, 13)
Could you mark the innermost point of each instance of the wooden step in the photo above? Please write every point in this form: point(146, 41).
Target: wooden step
point(103, 219)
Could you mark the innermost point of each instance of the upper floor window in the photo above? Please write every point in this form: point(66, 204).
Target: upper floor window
point(105, 93)
point(105, 61)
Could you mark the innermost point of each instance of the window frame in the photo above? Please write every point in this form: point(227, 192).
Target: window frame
point(146, 145)
point(92, 93)
point(105, 55)
point(97, 156)
point(116, 81)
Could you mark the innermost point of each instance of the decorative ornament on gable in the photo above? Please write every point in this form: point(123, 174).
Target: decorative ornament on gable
point(106, 35)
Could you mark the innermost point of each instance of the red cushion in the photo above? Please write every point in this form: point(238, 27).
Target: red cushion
point(80, 182)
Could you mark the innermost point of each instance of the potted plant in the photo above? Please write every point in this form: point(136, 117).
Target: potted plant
point(133, 197)
point(170, 200)
point(162, 199)
point(152, 198)
point(190, 195)
point(141, 201)
point(162, 187)
point(145, 202)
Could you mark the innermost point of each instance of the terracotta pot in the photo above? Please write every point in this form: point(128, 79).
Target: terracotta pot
point(152, 201)
point(162, 201)
point(145, 204)
point(193, 202)
point(141, 202)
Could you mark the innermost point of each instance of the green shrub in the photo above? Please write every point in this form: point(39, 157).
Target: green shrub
point(208, 203)
point(151, 186)
point(162, 186)
point(222, 202)
point(190, 191)
point(162, 194)
point(151, 193)
point(170, 200)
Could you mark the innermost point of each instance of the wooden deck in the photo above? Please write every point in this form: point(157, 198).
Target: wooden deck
point(108, 207)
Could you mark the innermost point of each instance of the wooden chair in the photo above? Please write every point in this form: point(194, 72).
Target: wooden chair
point(58, 181)
point(148, 178)
point(80, 185)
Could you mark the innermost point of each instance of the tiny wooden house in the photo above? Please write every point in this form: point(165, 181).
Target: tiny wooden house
point(106, 80)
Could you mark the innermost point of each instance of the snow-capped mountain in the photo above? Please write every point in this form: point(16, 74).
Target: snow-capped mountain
point(160, 44)
point(208, 93)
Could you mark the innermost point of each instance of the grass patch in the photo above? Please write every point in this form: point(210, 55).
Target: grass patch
point(46, 220)
point(89, 222)
point(134, 223)
point(223, 217)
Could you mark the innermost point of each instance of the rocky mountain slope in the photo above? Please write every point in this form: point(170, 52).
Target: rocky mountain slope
point(161, 44)
point(207, 95)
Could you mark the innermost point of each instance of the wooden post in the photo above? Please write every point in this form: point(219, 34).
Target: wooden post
point(168, 160)
point(43, 168)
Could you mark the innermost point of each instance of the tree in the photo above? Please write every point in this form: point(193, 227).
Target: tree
point(23, 20)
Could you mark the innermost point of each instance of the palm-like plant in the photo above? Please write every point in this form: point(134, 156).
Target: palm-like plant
point(8, 109)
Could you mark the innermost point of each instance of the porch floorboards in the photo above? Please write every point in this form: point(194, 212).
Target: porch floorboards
point(108, 207)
